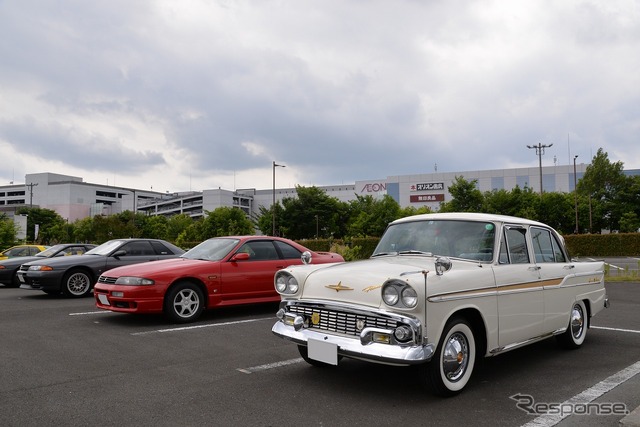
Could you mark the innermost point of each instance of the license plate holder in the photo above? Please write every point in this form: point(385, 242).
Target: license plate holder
point(322, 351)
point(103, 299)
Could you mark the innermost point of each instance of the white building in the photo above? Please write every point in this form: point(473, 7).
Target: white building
point(74, 199)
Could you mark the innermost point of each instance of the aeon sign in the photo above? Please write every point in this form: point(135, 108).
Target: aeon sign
point(374, 187)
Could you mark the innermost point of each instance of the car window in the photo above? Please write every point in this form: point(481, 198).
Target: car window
point(160, 249)
point(542, 245)
point(260, 250)
point(138, 248)
point(516, 243)
point(288, 251)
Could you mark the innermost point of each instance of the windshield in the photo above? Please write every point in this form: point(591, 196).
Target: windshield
point(49, 252)
point(212, 249)
point(105, 249)
point(471, 240)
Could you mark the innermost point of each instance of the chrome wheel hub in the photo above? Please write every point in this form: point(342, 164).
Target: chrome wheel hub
point(455, 357)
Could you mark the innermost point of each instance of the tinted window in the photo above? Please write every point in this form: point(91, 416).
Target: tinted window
point(260, 250)
point(160, 249)
point(138, 248)
point(288, 251)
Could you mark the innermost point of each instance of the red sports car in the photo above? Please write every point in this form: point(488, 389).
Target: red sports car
point(218, 272)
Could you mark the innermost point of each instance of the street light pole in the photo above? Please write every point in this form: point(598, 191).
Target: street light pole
point(575, 189)
point(540, 151)
point(273, 206)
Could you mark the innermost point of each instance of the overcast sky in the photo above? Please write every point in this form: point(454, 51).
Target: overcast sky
point(198, 94)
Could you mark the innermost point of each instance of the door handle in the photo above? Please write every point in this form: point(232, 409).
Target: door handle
point(569, 267)
point(534, 268)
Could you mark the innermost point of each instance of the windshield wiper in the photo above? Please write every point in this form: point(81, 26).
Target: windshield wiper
point(415, 252)
point(384, 253)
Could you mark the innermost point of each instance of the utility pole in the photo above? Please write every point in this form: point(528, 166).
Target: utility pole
point(31, 185)
point(540, 151)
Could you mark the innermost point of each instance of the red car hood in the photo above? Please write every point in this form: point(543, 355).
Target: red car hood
point(162, 266)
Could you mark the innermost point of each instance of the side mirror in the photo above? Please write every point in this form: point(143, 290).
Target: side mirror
point(306, 257)
point(118, 254)
point(240, 256)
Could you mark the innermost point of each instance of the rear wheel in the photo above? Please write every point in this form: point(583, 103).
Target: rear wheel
point(76, 284)
point(184, 303)
point(452, 365)
point(576, 332)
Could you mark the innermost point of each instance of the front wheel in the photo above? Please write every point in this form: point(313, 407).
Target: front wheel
point(184, 303)
point(452, 365)
point(576, 332)
point(76, 284)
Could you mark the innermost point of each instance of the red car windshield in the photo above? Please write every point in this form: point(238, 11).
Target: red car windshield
point(212, 249)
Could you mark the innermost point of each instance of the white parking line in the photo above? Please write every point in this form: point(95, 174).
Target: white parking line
point(209, 325)
point(89, 312)
point(270, 366)
point(587, 396)
point(616, 329)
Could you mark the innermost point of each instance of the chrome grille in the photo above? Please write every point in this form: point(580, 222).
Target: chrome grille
point(107, 280)
point(341, 321)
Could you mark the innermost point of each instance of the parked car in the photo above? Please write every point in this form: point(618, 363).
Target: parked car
point(75, 275)
point(21, 250)
point(9, 267)
point(218, 272)
point(440, 291)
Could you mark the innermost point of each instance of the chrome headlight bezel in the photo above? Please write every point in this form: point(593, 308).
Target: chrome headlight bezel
point(134, 281)
point(399, 294)
point(285, 283)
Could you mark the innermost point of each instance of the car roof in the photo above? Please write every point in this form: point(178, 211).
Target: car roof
point(469, 216)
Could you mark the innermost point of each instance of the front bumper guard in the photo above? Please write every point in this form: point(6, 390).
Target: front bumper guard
point(362, 348)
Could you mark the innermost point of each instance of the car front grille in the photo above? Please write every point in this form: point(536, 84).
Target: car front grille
point(341, 321)
point(107, 280)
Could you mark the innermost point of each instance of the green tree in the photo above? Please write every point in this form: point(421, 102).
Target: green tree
point(370, 216)
point(49, 224)
point(310, 211)
point(264, 222)
point(226, 221)
point(465, 197)
point(176, 225)
point(604, 182)
point(8, 231)
point(156, 227)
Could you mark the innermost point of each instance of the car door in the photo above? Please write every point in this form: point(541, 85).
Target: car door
point(253, 277)
point(520, 293)
point(554, 266)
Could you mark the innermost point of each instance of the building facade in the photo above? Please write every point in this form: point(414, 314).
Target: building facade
point(74, 199)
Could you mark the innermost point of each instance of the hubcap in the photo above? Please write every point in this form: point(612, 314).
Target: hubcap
point(577, 321)
point(186, 303)
point(455, 357)
point(78, 284)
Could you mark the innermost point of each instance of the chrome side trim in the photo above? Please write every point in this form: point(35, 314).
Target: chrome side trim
point(513, 346)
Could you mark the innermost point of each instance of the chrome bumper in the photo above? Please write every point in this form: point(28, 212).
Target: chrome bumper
point(352, 347)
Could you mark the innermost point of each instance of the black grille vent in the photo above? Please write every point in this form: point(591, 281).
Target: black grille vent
point(107, 280)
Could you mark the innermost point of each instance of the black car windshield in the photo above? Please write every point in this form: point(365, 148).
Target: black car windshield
point(473, 240)
point(106, 248)
point(49, 252)
point(212, 249)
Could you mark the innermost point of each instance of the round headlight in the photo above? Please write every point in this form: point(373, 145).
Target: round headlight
point(409, 297)
point(286, 284)
point(390, 295)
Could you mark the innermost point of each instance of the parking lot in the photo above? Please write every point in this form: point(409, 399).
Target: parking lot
point(65, 363)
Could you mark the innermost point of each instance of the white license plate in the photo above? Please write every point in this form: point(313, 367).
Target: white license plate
point(322, 351)
point(103, 299)
point(21, 278)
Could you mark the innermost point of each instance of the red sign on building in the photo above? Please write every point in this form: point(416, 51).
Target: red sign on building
point(421, 198)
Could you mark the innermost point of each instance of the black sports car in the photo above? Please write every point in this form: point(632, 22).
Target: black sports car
point(75, 276)
point(9, 267)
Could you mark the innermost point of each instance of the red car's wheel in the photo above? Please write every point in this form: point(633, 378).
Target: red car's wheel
point(184, 302)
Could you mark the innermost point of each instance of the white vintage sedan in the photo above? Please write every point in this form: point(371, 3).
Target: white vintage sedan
point(439, 291)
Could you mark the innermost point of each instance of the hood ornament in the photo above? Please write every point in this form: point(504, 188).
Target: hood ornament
point(339, 287)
